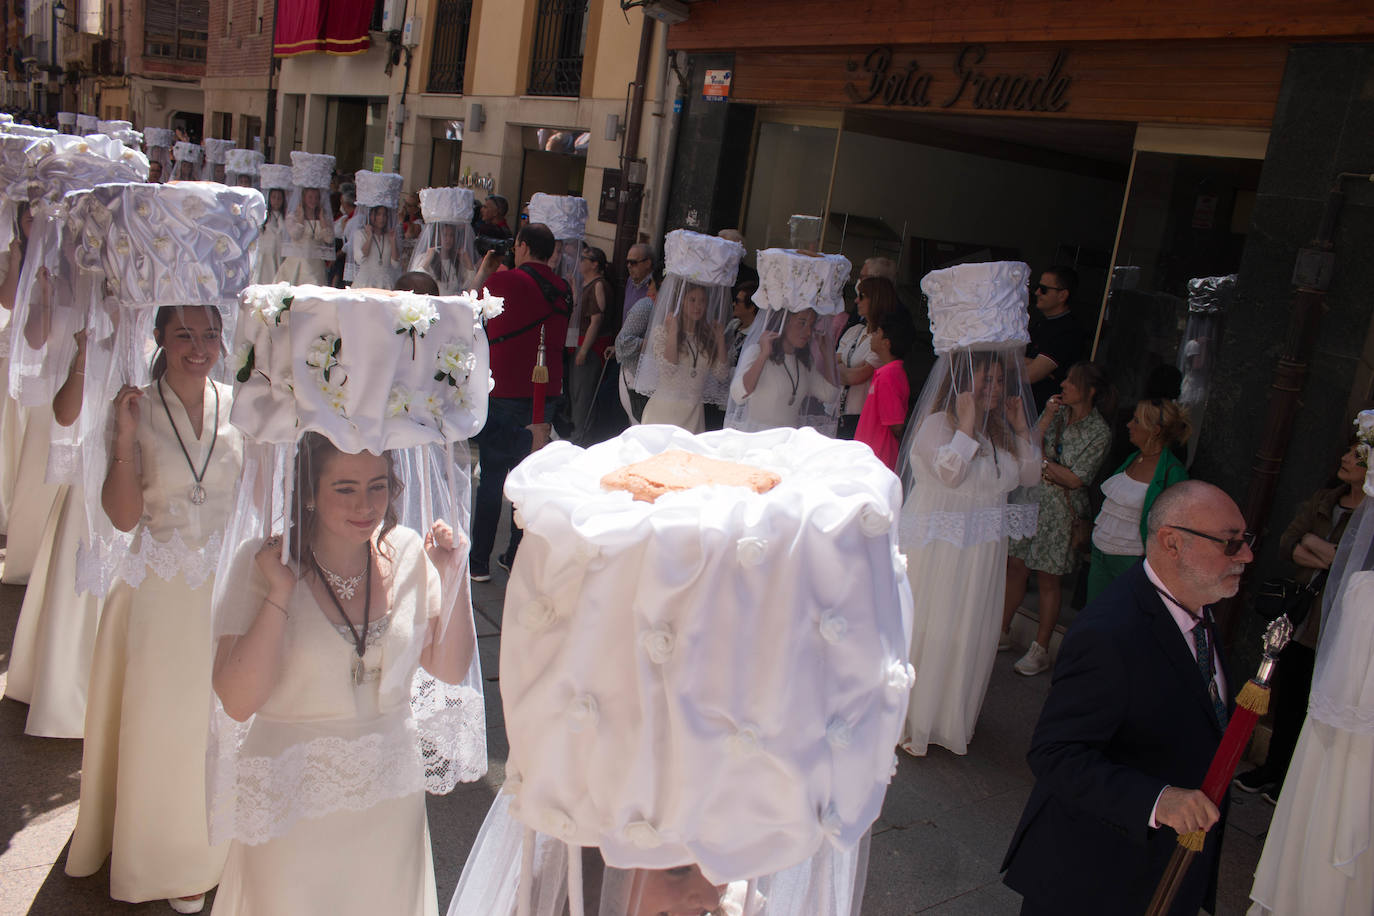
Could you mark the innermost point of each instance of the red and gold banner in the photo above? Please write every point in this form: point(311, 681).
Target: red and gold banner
point(322, 26)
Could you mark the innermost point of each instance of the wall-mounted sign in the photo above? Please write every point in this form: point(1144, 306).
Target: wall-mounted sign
point(377, 163)
point(716, 88)
point(877, 79)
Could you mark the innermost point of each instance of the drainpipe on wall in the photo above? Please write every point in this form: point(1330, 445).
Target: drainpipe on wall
point(269, 129)
point(631, 192)
point(671, 95)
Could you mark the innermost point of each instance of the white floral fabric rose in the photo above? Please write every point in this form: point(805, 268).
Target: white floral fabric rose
point(834, 627)
point(643, 835)
point(583, 713)
point(658, 644)
point(399, 401)
point(744, 742)
point(874, 521)
point(415, 315)
point(751, 550)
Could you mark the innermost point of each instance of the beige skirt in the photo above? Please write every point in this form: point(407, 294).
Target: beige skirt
point(143, 763)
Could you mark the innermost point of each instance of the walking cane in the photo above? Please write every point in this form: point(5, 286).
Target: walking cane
point(1252, 703)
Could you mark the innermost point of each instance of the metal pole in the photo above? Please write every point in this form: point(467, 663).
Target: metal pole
point(630, 195)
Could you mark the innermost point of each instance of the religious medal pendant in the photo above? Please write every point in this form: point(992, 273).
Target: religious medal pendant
point(359, 671)
point(791, 399)
point(197, 495)
point(694, 373)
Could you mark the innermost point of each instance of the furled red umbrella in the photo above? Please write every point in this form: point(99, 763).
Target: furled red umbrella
point(1252, 703)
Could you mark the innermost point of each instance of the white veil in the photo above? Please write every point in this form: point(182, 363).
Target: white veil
point(300, 239)
point(787, 375)
point(685, 357)
point(188, 244)
point(323, 372)
point(445, 248)
point(975, 404)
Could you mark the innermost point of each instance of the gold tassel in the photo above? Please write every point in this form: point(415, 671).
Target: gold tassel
point(1194, 841)
point(1254, 697)
point(540, 375)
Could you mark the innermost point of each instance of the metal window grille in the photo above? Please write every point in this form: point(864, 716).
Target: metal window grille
point(560, 40)
point(452, 22)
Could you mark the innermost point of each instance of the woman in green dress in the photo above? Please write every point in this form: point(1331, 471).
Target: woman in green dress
point(1076, 439)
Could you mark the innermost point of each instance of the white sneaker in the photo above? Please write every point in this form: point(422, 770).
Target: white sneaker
point(1035, 661)
point(193, 905)
point(1004, 643)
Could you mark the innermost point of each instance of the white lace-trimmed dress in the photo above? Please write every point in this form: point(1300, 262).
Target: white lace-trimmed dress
point(953, 531)
point(375, 858)
point(677, 398)
point(143, 802)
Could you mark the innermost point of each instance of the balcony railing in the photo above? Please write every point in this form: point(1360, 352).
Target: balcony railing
point(452, 21)
point(560, 39)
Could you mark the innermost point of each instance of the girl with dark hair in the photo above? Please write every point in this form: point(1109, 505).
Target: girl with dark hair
point(269, 243)
point(777, 377)
point(877, 298)
point(593, 338)
point(172, 479)
point(1075, 440)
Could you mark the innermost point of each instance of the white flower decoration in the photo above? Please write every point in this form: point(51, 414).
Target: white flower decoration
point(335, 396)
point(323, 354)
point(415, 315)
point(537, 614)
point(399, 401)
point(490, 305)
point(643, 835)
point(900, 675)
point(659, 644)
point(242, 354)
point(874, 521)
point(750, 551)
point(583, 713)
point(834, 627)
point(744, 742)
point(838, 733)
point(898, 560)
point(434, 405)
point(267, 303)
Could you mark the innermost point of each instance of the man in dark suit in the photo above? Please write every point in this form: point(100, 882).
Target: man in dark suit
point(1132, 722)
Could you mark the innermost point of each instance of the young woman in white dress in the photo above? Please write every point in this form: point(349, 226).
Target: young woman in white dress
point(172, 479)
point(375, 250)
point(689, 351)
point(307, 653)
point(270, 242)
point(309, 234)
point(779, 379)
point(971, 448)
point(449, 263)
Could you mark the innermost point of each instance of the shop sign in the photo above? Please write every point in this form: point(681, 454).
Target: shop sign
point(875, 80)
point(716, 88)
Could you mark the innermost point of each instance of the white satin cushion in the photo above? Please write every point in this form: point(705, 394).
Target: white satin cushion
point(446, 205)
point(565, 216)
point(381, 392)
point(701, 258)
point(717, 677)
point(973, 304)
point(795, 281)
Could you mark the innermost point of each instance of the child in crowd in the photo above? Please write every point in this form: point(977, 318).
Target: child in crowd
point(883, 418)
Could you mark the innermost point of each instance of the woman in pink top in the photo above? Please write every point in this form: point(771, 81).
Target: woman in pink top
point(883, 418)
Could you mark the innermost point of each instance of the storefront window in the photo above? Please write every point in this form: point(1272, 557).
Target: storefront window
point(791, 175)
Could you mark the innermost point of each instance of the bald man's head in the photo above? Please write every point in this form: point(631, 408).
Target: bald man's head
point(1190, 528)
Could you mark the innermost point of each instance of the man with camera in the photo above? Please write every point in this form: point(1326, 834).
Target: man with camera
point(535, 318)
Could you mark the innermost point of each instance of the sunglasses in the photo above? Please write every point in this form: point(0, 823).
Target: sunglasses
point(1229, 546)
point(1042, 288)
point(636, 260)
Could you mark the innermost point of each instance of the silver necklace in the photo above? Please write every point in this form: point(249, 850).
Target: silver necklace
point(343, 586)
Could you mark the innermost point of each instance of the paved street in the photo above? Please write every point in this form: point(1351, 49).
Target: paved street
point(936, 849)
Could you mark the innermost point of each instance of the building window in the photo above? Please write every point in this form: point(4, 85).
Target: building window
point(176, 29)
point(452, 19)
point(560, 39)
point(378, 15)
